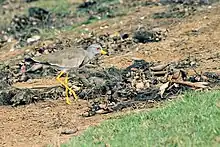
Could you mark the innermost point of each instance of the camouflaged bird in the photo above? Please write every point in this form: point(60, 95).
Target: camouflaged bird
point(68, 59)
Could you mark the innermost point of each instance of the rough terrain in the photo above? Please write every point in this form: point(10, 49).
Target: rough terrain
point(197, 36)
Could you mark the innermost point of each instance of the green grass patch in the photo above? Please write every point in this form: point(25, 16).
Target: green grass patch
point(191, 121)
point(1, 1)
point(54, 6)
point(104, 9)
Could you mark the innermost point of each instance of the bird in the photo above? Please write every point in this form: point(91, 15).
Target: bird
point(70, 58)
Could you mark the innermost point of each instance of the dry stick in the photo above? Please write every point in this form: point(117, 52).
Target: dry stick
point(159, 73)
point(194, 85)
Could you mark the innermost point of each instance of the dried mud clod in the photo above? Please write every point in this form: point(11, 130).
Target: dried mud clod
point(115, 43)
point(176, 11)
point(36, 17)
point(108, 89)
point(15, 96)
point(181, 8)
point(99, 9)
point(87, 4)
point(123, 42)
point(144, 35)
point(26, 27)
point(29, 1)
point(187, 2)
point(140, 82)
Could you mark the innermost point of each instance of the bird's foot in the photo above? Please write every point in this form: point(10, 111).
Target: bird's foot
point(68, 101)
point(68, 89)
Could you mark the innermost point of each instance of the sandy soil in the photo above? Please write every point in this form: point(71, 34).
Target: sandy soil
point(42, 123)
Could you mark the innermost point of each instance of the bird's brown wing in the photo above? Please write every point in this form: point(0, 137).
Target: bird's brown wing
point(64, 58)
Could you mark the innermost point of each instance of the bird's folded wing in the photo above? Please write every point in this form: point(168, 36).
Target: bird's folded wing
point(64, 58)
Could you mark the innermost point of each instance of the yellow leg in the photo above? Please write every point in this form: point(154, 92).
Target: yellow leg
point(67, 91)
point(65, 85)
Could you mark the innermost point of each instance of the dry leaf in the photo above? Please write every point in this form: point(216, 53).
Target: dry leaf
point(163, 88)
point(191, 84)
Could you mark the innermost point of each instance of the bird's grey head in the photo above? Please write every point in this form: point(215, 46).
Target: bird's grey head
point(95, 49)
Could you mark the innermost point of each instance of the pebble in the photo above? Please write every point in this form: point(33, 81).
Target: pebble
point(140, 86)
point(33, 39)
point(70, 131)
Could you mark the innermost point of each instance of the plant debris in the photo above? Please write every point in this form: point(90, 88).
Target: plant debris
point(109, 89)
point(29, 1)
point(176, 11)
point(113, 43)
point(102, 9)
point(126, 87)
point(123, 42)
point(144, 35)
point(187, 2)
point(25, 26)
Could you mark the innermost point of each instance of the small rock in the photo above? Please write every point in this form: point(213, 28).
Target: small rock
point(69, 131)
point(147, 84)
point(28, 1)
point(140, 86)
point(12, 49)
point(86, 114)
point(101, 111)
point(37, 54)
point(206, 17)
point(102, 106)
point(109, 92)
point(46, 52)
point(27, 50)
point(33, 39)
point(124, 36)
point(142, 18)
point(192, 63)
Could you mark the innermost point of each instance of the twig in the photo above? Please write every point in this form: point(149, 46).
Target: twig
point(194, 85)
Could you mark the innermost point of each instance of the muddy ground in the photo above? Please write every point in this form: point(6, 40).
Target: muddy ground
point(196, 36)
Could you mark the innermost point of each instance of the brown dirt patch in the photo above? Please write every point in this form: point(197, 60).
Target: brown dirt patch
point(6, 54)
point(40, 124)
point(180, 43)
point(38, 83)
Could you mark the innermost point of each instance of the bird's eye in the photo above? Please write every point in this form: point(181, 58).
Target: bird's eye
point(97, 49)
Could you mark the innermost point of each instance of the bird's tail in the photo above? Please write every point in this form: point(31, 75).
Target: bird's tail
point(31, 60)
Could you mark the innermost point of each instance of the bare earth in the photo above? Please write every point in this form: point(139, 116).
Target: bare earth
point(40, 124)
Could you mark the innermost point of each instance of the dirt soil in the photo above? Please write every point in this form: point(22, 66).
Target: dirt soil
point(196, 36)
point(40, 124)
